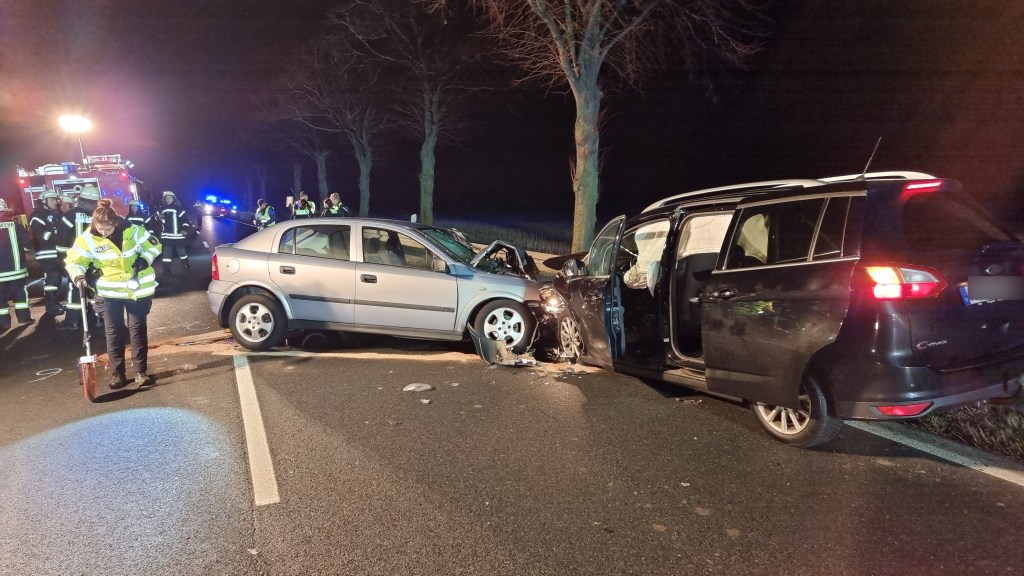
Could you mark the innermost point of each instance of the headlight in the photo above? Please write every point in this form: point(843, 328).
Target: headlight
point(208, 210)
point(551, 300)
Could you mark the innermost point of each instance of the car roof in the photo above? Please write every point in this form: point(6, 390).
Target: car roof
point(738, 191)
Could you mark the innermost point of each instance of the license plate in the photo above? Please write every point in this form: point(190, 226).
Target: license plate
point(967, 299)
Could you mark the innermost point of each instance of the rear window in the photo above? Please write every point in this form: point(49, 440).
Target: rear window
point(934, 222)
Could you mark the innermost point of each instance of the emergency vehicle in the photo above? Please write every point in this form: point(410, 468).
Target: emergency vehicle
point(112, 175)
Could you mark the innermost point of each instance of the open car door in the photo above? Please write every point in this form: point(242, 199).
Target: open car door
point(594, 297)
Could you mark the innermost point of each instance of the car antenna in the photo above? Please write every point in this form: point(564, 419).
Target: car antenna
point(864, 175)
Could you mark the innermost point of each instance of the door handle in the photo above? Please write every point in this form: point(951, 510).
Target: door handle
point(287, 269)
point(368, 278)
point(724, 294)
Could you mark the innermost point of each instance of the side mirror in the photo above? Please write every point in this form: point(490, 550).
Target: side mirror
point(653, 271)
point(571, 268)
point(438, 265)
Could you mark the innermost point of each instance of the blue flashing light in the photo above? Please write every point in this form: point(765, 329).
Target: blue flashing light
point(211, 198)
point(225, 201)
point(118, 192)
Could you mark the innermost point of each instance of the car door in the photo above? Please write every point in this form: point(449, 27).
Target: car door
point(396, 285)
point(780, 294)
point(593, 295)
point(313, 270)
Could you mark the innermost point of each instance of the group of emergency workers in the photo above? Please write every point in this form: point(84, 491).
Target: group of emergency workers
point(303, 208)
point(55, 224)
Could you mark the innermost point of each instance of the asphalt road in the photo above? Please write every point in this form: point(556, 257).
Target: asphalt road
point(534, 470)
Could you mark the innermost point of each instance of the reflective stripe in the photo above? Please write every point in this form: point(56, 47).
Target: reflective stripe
point(15, 275)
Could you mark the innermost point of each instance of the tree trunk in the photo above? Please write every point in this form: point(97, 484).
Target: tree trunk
point(296, 179)
point(364, 156)
point(586, 177)
point(321, 176)
point(428, 160)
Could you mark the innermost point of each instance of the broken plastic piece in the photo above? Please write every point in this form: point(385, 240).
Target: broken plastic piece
point(418, 387)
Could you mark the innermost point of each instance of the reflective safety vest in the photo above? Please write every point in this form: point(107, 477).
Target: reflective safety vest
point(266, 216)
point(44, 233)
point(115, 265)
point(13, 242)
point(303, 209)
point(175, 222)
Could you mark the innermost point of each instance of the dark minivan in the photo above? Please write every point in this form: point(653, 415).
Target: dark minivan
point(869, 297)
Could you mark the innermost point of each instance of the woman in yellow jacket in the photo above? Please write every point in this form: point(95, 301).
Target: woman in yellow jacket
point(123, 253)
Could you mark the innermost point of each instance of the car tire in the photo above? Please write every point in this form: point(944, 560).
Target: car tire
point(506, 320)
point(804, 428)
point(570, 337)
point(258, 322)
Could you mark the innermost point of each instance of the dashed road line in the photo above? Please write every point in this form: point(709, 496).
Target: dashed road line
point(261, 466)
point(945, 449)
point(206, 245)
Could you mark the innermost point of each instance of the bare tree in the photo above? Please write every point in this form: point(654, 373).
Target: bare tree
point(336, 92)
point(578, 42)
point(429, 58)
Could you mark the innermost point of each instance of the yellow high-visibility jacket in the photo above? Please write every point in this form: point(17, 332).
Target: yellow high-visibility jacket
point(115, 265)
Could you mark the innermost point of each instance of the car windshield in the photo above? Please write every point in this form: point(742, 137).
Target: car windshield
point(454, 245)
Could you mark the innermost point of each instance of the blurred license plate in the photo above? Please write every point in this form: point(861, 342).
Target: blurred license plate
point(985, 289)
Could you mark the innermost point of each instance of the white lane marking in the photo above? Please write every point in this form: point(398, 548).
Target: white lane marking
point(206, 245)
point(945, 449)
point(261, 467)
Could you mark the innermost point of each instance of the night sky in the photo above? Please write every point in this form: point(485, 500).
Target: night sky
point(167, 84)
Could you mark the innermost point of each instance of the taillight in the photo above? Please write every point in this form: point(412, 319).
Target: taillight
point(215, 273)
point(903, 282)
point(904, 409)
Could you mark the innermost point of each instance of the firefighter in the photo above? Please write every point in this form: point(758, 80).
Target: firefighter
point(265, 215)
point(335, 208)
point(44, 227)
point(136, 215)
point(14, 252)
point(303, 208)
point(73, 224)
point(124, 255)
point(174, 227)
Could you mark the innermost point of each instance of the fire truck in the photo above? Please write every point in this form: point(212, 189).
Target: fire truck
point(112, 175)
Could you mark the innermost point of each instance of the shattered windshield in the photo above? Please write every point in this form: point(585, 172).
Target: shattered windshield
point(454, 245)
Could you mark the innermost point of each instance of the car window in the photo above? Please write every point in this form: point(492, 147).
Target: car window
point(829, 243)
point(640, 247)
point(381, 246)
point(599, 261)
point(934, 222)
point(703, 234)
point(325, 241)
point(287, 245)
point(775, 233)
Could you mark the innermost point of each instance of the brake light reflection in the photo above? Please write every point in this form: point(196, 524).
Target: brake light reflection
point(215, 272)
point(904, 410)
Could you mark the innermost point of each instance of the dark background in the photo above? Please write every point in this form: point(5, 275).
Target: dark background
point(167, 85)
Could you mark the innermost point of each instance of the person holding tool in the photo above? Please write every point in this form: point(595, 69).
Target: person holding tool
point(124, 254)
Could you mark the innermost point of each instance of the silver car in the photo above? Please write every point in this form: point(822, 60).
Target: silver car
point(377, 276)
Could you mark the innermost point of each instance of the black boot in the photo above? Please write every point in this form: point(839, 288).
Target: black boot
point(118, 380)
point(185, 262)
point(69, 323)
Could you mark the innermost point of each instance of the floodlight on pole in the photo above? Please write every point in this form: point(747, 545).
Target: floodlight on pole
point(76, 125)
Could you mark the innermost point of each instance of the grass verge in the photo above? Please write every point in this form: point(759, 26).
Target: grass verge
point(546, 237)
point(998, 429)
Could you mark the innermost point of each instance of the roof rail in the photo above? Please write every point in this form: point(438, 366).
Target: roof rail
point(766, 185)
point(897, 175)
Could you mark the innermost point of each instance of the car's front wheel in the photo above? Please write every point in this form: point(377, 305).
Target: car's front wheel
point(258, 322)
point(507, 321)
point(805, 427)
point(570, 337)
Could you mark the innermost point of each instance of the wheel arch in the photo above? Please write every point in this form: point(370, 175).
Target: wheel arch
point(238, 293)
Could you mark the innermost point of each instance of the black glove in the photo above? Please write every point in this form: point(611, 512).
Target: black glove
point(140, 264)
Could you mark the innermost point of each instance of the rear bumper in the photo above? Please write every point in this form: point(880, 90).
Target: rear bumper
point(217, 295)
point(868, 410)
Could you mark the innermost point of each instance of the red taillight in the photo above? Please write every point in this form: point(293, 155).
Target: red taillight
point(904, 282)
point(124, 175)
point(215, 273)
point(905, 409)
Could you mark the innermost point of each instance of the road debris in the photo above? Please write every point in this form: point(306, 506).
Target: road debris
point(418, 387)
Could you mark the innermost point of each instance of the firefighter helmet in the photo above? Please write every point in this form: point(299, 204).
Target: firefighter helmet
point(89, 192)
point(47, 194)
point(167, 193)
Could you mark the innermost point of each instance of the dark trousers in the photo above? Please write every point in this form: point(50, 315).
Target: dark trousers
point(113, 312)
point(174, 247)
point(14, 291)
point(53, 270)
